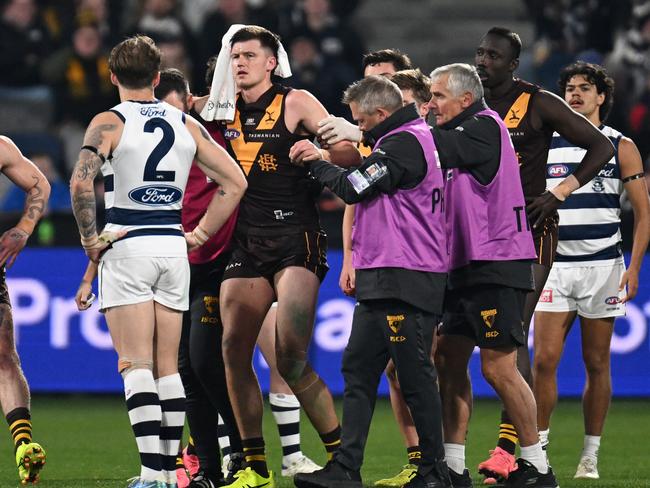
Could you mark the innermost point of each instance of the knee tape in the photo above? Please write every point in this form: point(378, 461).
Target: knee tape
point(305, 382)
point(124, 365)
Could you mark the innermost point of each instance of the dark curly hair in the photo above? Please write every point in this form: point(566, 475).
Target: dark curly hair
point(596, 75)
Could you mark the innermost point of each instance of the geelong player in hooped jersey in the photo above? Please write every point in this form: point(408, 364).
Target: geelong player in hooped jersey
point(145, 149)
point(588, 278)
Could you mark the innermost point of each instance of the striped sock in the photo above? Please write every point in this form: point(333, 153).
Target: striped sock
point(145, 415)
point(224, 440)
point(414, 454)
point(172, 405)
point(286, 412)
point(507, 437)
point(254, 455)
point(20, 426)
point(332, 442)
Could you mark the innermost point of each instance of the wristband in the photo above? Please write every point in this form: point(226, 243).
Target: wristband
point(93, 149)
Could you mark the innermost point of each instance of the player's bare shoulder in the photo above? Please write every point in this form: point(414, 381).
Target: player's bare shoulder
point(105, 127)
point(8, 151)
point(303, 110)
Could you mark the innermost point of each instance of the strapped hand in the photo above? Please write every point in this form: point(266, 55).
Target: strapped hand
point(94, 246)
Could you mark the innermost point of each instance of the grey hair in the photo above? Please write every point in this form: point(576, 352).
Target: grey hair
point(463, 78)
point(373, 92)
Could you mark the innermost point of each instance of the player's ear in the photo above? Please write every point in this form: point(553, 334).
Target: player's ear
point(271, 63)
point(514, 64)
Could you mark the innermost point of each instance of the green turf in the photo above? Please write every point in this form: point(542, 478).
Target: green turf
point(89, 443)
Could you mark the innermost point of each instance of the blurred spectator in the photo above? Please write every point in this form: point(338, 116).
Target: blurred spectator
point(161, 20)
point(175, 55)
point(104, 14)
point(59, 201)
point(314, 19)
point(224, 14)
point(639, 121)
point(324, 77)
point(629, 63)
point(24, 43)
point(82, 85)
point(566, 30)
point(80, 76)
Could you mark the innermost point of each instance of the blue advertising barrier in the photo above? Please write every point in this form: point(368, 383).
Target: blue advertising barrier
point(64, 350)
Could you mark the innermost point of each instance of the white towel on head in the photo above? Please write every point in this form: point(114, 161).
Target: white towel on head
point(221, 103)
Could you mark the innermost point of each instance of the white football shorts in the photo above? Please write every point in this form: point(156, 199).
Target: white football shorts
point(592, 291)
point(127, 281)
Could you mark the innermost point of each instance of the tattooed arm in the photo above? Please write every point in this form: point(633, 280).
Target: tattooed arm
point(101, 137)
point(22, 172)
point(219, 166)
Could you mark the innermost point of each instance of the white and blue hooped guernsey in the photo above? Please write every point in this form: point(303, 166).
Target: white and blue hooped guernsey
point(590, 220)
point(145, 178)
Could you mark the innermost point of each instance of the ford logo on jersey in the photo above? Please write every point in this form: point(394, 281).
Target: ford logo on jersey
point(231, 134)
point(557, 170)
point(156, 195)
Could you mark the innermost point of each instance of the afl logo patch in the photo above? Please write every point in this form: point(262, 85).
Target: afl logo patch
point(557, 170)
point(231, 134)
point(611, 300)
point(156, 196)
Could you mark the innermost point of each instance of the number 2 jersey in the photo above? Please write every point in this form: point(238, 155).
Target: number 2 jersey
point(281, 196)
point(145, 178)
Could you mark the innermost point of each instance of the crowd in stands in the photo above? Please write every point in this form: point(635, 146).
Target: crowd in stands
point(55, 74)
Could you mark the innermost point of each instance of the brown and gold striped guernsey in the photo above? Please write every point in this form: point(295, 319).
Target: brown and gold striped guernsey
point(280, 196)
point(531, 145)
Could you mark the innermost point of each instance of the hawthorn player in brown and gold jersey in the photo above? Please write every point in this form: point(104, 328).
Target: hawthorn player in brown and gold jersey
point(531, 115)
point(281, 196)
point(279, 249)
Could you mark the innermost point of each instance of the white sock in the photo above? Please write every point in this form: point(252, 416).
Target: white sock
point(590, 450)
point(224, 439)
point(172, 404)
point(286, 412)
point(145, 416)
point(455, 457)
point(535, 456)
point(543, 437)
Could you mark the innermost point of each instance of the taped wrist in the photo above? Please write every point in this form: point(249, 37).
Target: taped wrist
point(90, 242)
point(200, 235)
point(567, 186)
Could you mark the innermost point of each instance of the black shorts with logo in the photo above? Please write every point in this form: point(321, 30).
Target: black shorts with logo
point(491, 315)
point(4, 291)
point(256, 256)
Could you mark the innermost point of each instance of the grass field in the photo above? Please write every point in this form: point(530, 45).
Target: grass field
point(89, 443)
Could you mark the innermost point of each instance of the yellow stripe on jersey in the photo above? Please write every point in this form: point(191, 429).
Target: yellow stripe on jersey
point(246, 152)
point(517, 111)
point(273, 114)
